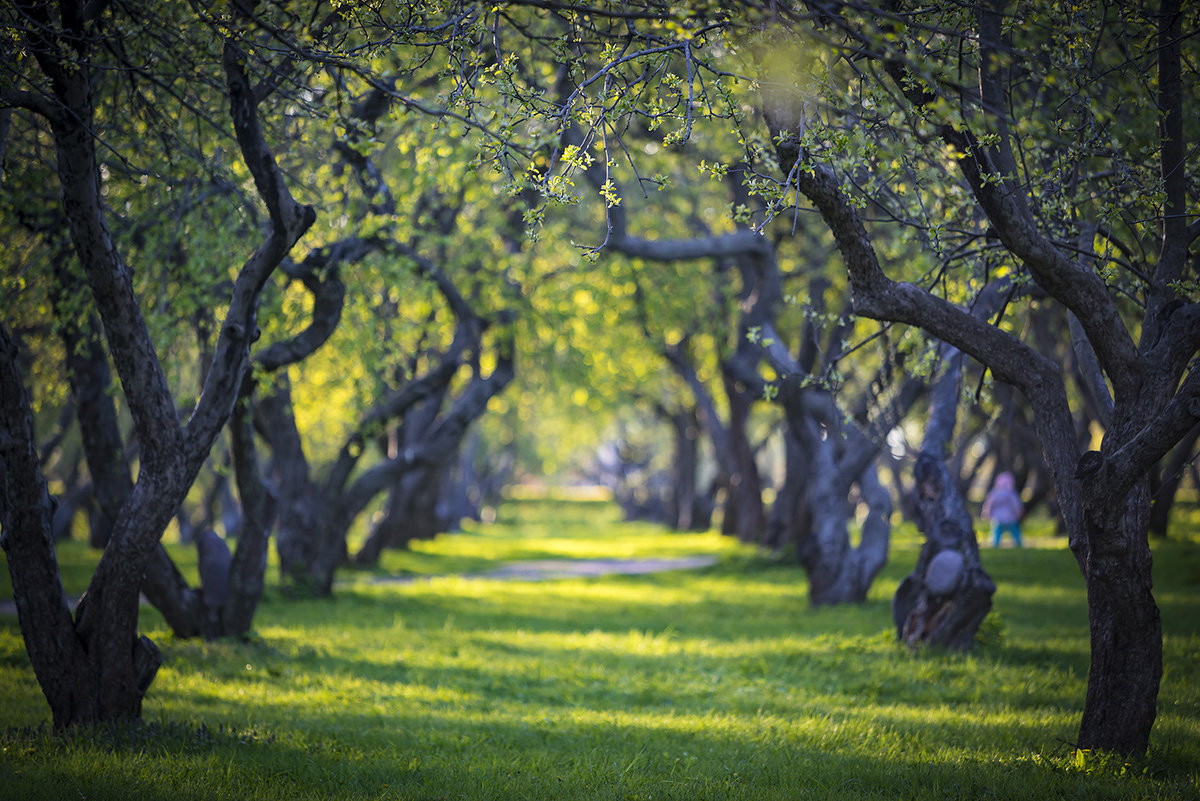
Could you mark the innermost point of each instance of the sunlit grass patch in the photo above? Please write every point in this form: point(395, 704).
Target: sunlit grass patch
point(593, 534)
point(718, 683)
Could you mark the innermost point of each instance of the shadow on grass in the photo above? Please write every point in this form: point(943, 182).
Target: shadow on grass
point(717, 683)
point(619, 755)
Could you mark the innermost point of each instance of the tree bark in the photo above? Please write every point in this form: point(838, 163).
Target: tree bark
point(688, 507)
point(248, 570)
point(411, 515)
point(91, 382)
point(839, 572)
point(932, 607)
point(104, 675)
point(306, 538)
point(789, 522)
point(61, 661)
point(1125, 628)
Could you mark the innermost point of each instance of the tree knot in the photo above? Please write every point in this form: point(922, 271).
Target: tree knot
point(1089, 465)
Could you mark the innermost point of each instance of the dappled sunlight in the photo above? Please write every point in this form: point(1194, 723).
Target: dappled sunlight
point(721, 676)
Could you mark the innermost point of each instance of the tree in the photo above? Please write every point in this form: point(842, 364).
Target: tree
point(93, 666)
point(419, 410)
point(827, 456)
point(1133, 313)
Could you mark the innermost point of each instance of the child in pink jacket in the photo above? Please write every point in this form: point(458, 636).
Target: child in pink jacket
point(1004, 508)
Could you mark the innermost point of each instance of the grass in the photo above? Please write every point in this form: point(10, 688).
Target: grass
point(710, 684)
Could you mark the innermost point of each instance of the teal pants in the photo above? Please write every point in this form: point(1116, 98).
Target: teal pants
point(998, 530)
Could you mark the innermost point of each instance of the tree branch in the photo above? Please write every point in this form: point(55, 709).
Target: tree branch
point(31, 101)
point(319, 274)
point(996, 186)
point(1172, 152)
point(878, 297)
point(1139, 455)
point(289, 221)
point(392, 407)
point(441, 442)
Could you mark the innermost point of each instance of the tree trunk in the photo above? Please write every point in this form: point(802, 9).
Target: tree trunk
point(91, 382)
point(412, 510)
point(168, 591)
point(789, 522)
point(1124, 621)
point(309, 546)
point(1126, 632)
point(58, 654)
point(310, 543)
point(248, 570)
point(89, 668)
point(464, 489)
point(745, 516)
point(411, 515)
point(684, 511)
point(948, 594)
point(844, 574)
point(97, 668)
point(824, 470)
point(423, 520)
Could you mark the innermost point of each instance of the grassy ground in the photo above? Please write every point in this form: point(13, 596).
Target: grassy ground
point(712, 684)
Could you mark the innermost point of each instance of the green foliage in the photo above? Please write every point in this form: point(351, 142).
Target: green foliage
point(717, 683)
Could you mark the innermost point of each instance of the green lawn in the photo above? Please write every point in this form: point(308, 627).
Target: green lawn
point(718, 683)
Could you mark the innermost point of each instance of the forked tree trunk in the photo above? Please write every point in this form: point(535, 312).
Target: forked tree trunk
point(95, 667)
point(948, 594)
point(839, 572)
point(821, 473)
point(90, 669)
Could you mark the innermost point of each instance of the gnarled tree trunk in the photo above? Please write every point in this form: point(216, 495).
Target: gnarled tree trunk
point(948, 594)
point(95, 667)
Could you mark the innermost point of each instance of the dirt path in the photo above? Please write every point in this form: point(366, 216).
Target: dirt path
point(541, 569)
point(536, 570)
